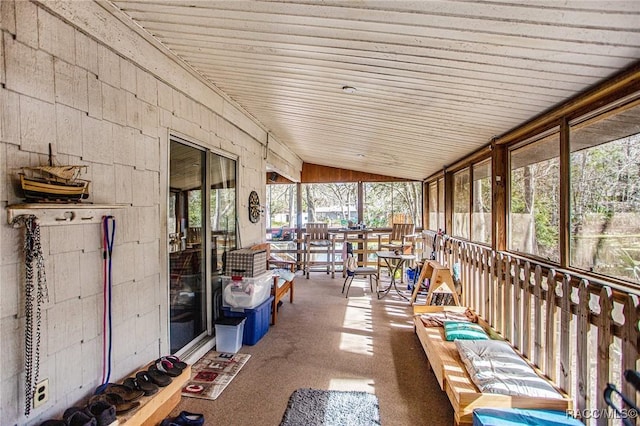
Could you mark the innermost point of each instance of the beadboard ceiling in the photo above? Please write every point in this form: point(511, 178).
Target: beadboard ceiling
point(434, 80)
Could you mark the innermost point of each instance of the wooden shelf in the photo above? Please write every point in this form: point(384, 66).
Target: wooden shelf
point(153, 409)
point(62, 214)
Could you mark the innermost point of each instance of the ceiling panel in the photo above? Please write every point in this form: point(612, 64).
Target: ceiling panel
point(434, 80)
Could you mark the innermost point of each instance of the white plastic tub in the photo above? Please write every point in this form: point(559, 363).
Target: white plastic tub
point(245, 292)
point(229, 332)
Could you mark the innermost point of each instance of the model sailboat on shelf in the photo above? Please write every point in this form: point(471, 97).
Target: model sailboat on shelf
point(54, 182)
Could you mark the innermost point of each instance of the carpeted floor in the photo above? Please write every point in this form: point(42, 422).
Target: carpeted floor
point(326, 341)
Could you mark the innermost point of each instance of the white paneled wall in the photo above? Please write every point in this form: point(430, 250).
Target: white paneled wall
point(98, 105)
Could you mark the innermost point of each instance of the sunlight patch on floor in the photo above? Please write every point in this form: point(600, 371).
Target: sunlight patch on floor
point(361, 385)
point(357, 317)
point(402, 325)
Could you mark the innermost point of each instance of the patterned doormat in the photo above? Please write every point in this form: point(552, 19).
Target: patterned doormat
point(212, 373)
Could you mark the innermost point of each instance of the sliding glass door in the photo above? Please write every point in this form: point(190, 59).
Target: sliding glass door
point(202, 201)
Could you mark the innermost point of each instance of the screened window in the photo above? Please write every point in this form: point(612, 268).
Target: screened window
point(392, 202)
point(433, 206)
point(281, 211)
point(605, 194)
point(481, 217)
point(333, 203)
point(461, 203)
point(534, 198)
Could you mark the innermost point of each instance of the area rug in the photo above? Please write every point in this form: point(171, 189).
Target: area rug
point(213, 373)
point(313, 407)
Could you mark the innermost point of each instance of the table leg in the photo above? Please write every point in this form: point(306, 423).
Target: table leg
point(393, 269)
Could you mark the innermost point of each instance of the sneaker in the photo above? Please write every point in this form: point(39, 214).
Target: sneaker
point(184, 419)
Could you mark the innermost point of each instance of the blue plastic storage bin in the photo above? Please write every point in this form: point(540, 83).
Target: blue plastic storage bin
point(522, 417)
point(257, 323)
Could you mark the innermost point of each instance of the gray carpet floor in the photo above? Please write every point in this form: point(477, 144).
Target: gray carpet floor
point(326, 341)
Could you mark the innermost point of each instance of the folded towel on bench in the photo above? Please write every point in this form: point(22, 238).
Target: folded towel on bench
point(437, 319)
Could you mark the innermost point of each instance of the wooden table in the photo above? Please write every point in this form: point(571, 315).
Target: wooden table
point(394, 263)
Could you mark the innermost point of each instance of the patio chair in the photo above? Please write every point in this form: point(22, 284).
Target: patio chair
point(401, 238)
point(317, 235)
point(352, 270)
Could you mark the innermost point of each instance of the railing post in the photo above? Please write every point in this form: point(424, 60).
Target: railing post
point(550, 334)
point(582, 346)
point(537, 317)
point(508, 298)
point(631, 312)
point(516, 320)
point(565, 335)
point(605, 339)
point(526, 311)
point(499, 295)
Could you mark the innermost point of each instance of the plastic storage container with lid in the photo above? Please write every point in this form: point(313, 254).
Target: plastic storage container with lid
point(246, 292)
point(229, 334)
point(258, 320)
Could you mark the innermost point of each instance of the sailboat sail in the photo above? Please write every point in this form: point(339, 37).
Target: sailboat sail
point(62, 172)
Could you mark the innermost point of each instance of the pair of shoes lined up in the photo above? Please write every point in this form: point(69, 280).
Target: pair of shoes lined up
point(157, 375)
point(184, 419)
point(96, 413)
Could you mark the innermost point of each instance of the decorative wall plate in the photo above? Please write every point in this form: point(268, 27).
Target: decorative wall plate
point(254, 207)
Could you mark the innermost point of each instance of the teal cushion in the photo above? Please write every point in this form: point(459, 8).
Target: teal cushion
point(464, 330)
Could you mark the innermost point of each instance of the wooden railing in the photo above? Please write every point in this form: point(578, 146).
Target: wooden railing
point(365, 244)
point(580, 332)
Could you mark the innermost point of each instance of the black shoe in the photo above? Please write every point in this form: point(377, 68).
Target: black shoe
point(158, 377)
point(76, 416)
point(104, 412)
point(53, 422)
point(143, 382)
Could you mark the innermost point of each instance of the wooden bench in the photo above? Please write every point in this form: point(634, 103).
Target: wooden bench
point(278, 292)
point(453, 378)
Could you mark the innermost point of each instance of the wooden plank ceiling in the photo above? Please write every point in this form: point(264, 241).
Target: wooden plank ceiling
point(434, 80)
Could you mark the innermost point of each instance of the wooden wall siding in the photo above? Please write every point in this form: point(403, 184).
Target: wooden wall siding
point(433, 84)
point(553, 317)
point(315, 173)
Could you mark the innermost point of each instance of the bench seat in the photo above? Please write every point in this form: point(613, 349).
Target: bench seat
point(453, 378)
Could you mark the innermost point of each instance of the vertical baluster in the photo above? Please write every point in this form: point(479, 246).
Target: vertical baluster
point(537, 317)
point(630, 342)
point(508, 301)
point(487, 290)
point(550, 334)
point(582, 345)
point(604, 345)
point(516, 322)
point(499, 301)
point(526, 311)
point(565, 337)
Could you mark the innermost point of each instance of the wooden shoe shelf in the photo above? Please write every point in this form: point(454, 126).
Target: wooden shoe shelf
point(155, 408)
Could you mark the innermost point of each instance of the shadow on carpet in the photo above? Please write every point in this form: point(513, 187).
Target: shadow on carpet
point(313, 407)
point(212, 373)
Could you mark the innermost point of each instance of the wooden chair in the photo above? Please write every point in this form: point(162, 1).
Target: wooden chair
point(278, 292)
point(402, 238)
point(317, 236)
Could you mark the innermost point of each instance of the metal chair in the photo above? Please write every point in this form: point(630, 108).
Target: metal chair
point(317, 236)
point(353, 270)
point(401, 238)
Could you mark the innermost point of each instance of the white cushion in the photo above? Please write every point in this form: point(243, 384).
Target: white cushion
point(495, 367)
